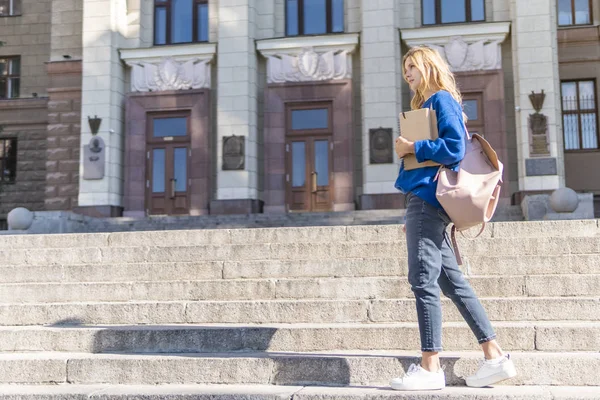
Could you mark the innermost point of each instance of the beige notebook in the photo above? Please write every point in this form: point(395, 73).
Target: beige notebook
point(418, 125)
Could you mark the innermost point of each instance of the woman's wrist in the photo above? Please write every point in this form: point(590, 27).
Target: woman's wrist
point(411, 147)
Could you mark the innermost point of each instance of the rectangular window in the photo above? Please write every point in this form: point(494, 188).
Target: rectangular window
point(180, 21)
point(3, 224)
point(8, 160)
point(574, 12)
point(580, 114)
point(314, 17)
point(10, 7)
point(317, 118)
point(172, 126)
point(436, 12)
point(10, 71)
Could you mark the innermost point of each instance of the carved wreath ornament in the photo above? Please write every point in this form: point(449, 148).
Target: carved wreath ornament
point(170, 75)
point(308, 66)
point(463, 56)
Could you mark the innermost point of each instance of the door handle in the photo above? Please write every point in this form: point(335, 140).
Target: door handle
point(314, 181)
point(173, 180)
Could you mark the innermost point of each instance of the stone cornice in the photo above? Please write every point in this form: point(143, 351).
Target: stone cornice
point(199, 51)
point(320, 44)
point(162, 68)
point(471, 33)
point(466, 47)
point(309, 58)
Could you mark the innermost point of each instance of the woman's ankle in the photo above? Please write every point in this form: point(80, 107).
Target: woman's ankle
point(491, 350)
point(430, 361)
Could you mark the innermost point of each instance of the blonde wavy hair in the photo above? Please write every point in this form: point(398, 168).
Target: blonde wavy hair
point(435, 75)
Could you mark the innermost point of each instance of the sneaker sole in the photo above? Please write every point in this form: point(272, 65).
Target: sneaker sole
point(396, 387)
point(492, 379)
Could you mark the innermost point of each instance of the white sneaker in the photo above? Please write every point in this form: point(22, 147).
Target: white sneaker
point(417, 378)
point(493, 371)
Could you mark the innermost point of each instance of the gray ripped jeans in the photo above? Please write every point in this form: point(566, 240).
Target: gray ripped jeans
point(432, 266)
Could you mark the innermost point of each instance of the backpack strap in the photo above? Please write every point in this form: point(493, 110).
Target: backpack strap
point(455, 243)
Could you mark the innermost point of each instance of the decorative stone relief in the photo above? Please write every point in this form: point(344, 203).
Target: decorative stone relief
point(538, 126)
point(382, 144)
point(309, 66)
point(170, 75)
point(94, 156)
point(233, 153)
point(463, 56)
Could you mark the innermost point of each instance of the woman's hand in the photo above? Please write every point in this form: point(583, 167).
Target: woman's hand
point(404, 147)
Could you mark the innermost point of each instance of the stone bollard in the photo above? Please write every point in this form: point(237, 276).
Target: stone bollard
point(564, 200)
point(19, 219)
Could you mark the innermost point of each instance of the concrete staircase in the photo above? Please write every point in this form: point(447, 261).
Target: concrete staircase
point(308, 313)
point(69, 222)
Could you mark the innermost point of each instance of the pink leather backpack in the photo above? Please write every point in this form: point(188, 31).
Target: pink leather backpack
point(470, 195)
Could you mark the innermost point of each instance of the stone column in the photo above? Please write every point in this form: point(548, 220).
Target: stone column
point(535, 65)
point(381, 101)
point(64, 106)
point(66, 30)
point(103, 92)
point(237, 189)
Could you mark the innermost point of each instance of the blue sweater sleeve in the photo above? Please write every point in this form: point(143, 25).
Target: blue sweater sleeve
point(449, 147)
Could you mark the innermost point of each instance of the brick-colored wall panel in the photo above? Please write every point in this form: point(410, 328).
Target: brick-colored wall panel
point(58, 154)
point(70, 190)
point(51, 166)
point(59, 129)
point(57, 203)
point(60, 106)
point(64, 114)
point(69, 166)
point(70, 117)
point(58, 178)
point(24, 119)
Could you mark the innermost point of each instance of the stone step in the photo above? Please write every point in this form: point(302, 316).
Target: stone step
point(274, 392)
point(288, 311)
point(68, 222)
point(349, 267)
point(333, 369)
point(271, 289)
point(559, 336)
point(291, 251)
point(318, 234)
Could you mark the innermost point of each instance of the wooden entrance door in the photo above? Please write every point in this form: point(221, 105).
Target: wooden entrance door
point(309, 166)
point(309, 157)
point(168, 156)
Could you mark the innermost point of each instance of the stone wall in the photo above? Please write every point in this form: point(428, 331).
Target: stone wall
point(28, 36)
point(26, 121)
point(64, 130)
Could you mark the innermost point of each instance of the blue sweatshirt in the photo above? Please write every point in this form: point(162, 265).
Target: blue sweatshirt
point(448, 149)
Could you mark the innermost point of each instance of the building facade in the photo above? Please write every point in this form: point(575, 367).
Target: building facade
point(193, 107)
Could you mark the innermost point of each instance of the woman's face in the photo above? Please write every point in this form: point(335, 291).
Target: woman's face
point(412, 75)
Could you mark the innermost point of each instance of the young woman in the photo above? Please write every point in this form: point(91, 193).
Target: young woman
point(431, 262)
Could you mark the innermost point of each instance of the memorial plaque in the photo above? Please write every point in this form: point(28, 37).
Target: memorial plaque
point(94, 156)
point(381, 146)
point(540, 166)
point(233, 153)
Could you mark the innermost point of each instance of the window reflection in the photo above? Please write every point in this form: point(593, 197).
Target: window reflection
point(298, 164)
point(180, 168)
point(176, 126)
point(322, 162)
point(310, 119)
point(158, 171)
